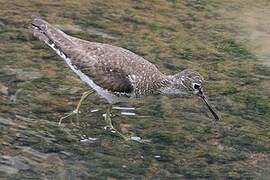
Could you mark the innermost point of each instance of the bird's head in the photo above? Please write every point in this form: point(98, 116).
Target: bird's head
point(191, 82)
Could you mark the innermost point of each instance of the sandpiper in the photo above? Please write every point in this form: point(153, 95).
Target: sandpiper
point(116, 74)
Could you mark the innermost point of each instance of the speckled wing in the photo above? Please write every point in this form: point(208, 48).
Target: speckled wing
point(131, 72)
point(104, 65)
point(121, 70)
point(112, 79)
point(93, 59)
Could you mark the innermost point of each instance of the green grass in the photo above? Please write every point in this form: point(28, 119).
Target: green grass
point(174, 35)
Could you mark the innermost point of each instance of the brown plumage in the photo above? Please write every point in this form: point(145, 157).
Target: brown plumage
point(112, 68)
point(115, 72)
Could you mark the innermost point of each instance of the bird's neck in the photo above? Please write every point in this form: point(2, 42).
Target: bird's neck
point(170, 85)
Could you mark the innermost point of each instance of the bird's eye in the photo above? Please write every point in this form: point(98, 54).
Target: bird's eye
point(196, 86)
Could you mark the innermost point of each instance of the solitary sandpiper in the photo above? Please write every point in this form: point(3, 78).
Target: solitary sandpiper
point(116, 74)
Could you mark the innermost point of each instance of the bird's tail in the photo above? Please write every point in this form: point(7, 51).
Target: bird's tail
point(51, 35)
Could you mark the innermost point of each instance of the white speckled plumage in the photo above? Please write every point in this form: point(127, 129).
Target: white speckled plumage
point(102, 92)
point(115, 73)
point(93, 62)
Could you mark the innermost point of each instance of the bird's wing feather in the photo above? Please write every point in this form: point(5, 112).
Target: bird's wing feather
point(113, 68)
point(103, 65)
point(114, 80)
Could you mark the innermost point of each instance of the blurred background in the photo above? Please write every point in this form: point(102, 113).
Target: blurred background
point(227, 41)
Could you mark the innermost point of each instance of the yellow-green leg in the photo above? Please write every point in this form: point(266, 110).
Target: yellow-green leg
point(76, 111)
point(110, 125)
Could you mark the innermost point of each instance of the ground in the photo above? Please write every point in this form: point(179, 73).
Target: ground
point(226, 41)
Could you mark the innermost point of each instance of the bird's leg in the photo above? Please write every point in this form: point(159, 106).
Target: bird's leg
point(110, 125)
point(76, 111)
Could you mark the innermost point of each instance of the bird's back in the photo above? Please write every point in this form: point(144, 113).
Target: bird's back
point(113, 68)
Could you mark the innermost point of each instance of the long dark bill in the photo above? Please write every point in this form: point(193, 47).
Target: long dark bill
point(209, 107)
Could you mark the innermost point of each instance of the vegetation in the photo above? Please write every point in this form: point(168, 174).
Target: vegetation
point(37, 88)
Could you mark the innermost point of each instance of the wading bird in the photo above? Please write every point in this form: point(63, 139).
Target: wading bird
point(116, 74)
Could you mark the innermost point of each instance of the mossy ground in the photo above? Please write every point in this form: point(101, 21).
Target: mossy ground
point(173, 35)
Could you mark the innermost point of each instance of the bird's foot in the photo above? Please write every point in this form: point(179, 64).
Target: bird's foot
point(111, 129)
point(74, 112)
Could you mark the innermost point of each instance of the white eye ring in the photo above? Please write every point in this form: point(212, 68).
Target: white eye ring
point(196, 86)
